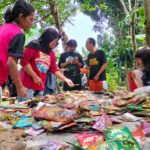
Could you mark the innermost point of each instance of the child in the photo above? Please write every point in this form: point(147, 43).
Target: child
point(12, 40)
point(141, 76)
point(71, 61)
point(97, 64)
point(39, 57)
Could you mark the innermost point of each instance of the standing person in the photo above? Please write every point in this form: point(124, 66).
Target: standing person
point(97, 64)
point(12, 40)
point(39, 57)
point(71, 61)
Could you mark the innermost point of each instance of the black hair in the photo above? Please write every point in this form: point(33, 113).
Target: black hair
point(20, 7)
point(46, 37)
point(72, 43)
point(144, 55)
point(92, 40)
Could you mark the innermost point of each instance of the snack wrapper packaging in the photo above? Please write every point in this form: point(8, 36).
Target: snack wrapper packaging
point(54, 114)
point(86, 140)
point(138, 134)
point(53, 146)
point(102, 123)
point(24, 121)
point(117, 133)
point(130, 144)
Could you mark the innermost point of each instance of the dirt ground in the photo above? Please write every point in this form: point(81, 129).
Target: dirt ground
point(12, 140)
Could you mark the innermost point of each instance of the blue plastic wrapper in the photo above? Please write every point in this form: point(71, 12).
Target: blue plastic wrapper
point(25, 121)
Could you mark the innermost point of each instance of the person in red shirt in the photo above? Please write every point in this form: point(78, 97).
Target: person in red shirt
point(12, 39)
point(39, 57)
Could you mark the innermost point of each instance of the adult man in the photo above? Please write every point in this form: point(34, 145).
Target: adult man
point(97, 64)
point(71, 62)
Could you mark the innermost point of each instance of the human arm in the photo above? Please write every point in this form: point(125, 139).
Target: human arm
point(15, 51)
point(12, 65)
point(29, 55)
point(59, 75)
point(103, 61)
point(54, 69)
point(37, 80)
point(100, 71)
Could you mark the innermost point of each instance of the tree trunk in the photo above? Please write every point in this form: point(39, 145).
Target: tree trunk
point(54, 12)
point(132, 24)
point(132, 21)
point(147, 20)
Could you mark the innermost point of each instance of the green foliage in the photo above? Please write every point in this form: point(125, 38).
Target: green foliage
point(66, 9)
point(112, 81)
point(114, 38)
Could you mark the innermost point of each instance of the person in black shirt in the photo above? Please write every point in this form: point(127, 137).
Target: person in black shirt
point(71, 62)
point(97, 64)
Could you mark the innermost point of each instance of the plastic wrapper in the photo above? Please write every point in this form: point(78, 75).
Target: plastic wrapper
point(84, 119)
point(34, 132)
point(54, 114)
point(102, 123)
point(146, 127)
point(86, 140)
point(138, 134)
point(53, 146)
point(117, 133)
point(24, 122)
point(129, 144)
point(134, 107)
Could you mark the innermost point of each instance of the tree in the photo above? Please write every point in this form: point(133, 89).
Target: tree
point(108, 12)
point(48, 13)
point(147, 20)
point(118, 24)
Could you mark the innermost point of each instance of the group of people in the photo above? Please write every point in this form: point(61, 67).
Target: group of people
point(38, 57)
point(71, 62)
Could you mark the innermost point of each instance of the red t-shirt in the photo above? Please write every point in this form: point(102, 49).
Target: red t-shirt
point(40, 63)
point(11, 44)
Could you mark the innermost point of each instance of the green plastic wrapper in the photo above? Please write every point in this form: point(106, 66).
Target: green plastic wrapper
point(133, 107)
point(130, 144)
point(117, 133)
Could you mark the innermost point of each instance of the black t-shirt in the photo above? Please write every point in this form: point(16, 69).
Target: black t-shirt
point(71, 69)
point(146, 77)
point(95, 62)
point(16, 45)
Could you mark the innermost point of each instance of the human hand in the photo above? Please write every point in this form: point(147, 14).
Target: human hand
point(96, 78)
point(21, 91)
point(69, 82)
point(75, 61)
point(37, 80)
point(69, 62)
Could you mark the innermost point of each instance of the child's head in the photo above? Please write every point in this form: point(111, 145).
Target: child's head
point(90, 43)
point(72, 44)
point(22, 13)
point(142, 57)
point(49, 39)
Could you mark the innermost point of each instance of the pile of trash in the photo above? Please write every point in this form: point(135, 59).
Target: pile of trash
point(95, 119)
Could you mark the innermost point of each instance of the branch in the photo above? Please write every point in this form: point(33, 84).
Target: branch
point(42, 19)
point(5, 5)
point(124, 7)
point(130, 8)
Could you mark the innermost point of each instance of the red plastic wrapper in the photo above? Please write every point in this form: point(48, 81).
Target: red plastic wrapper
point(102, 123)
point(55, 114)
point(138, 134)
point(86, 140)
